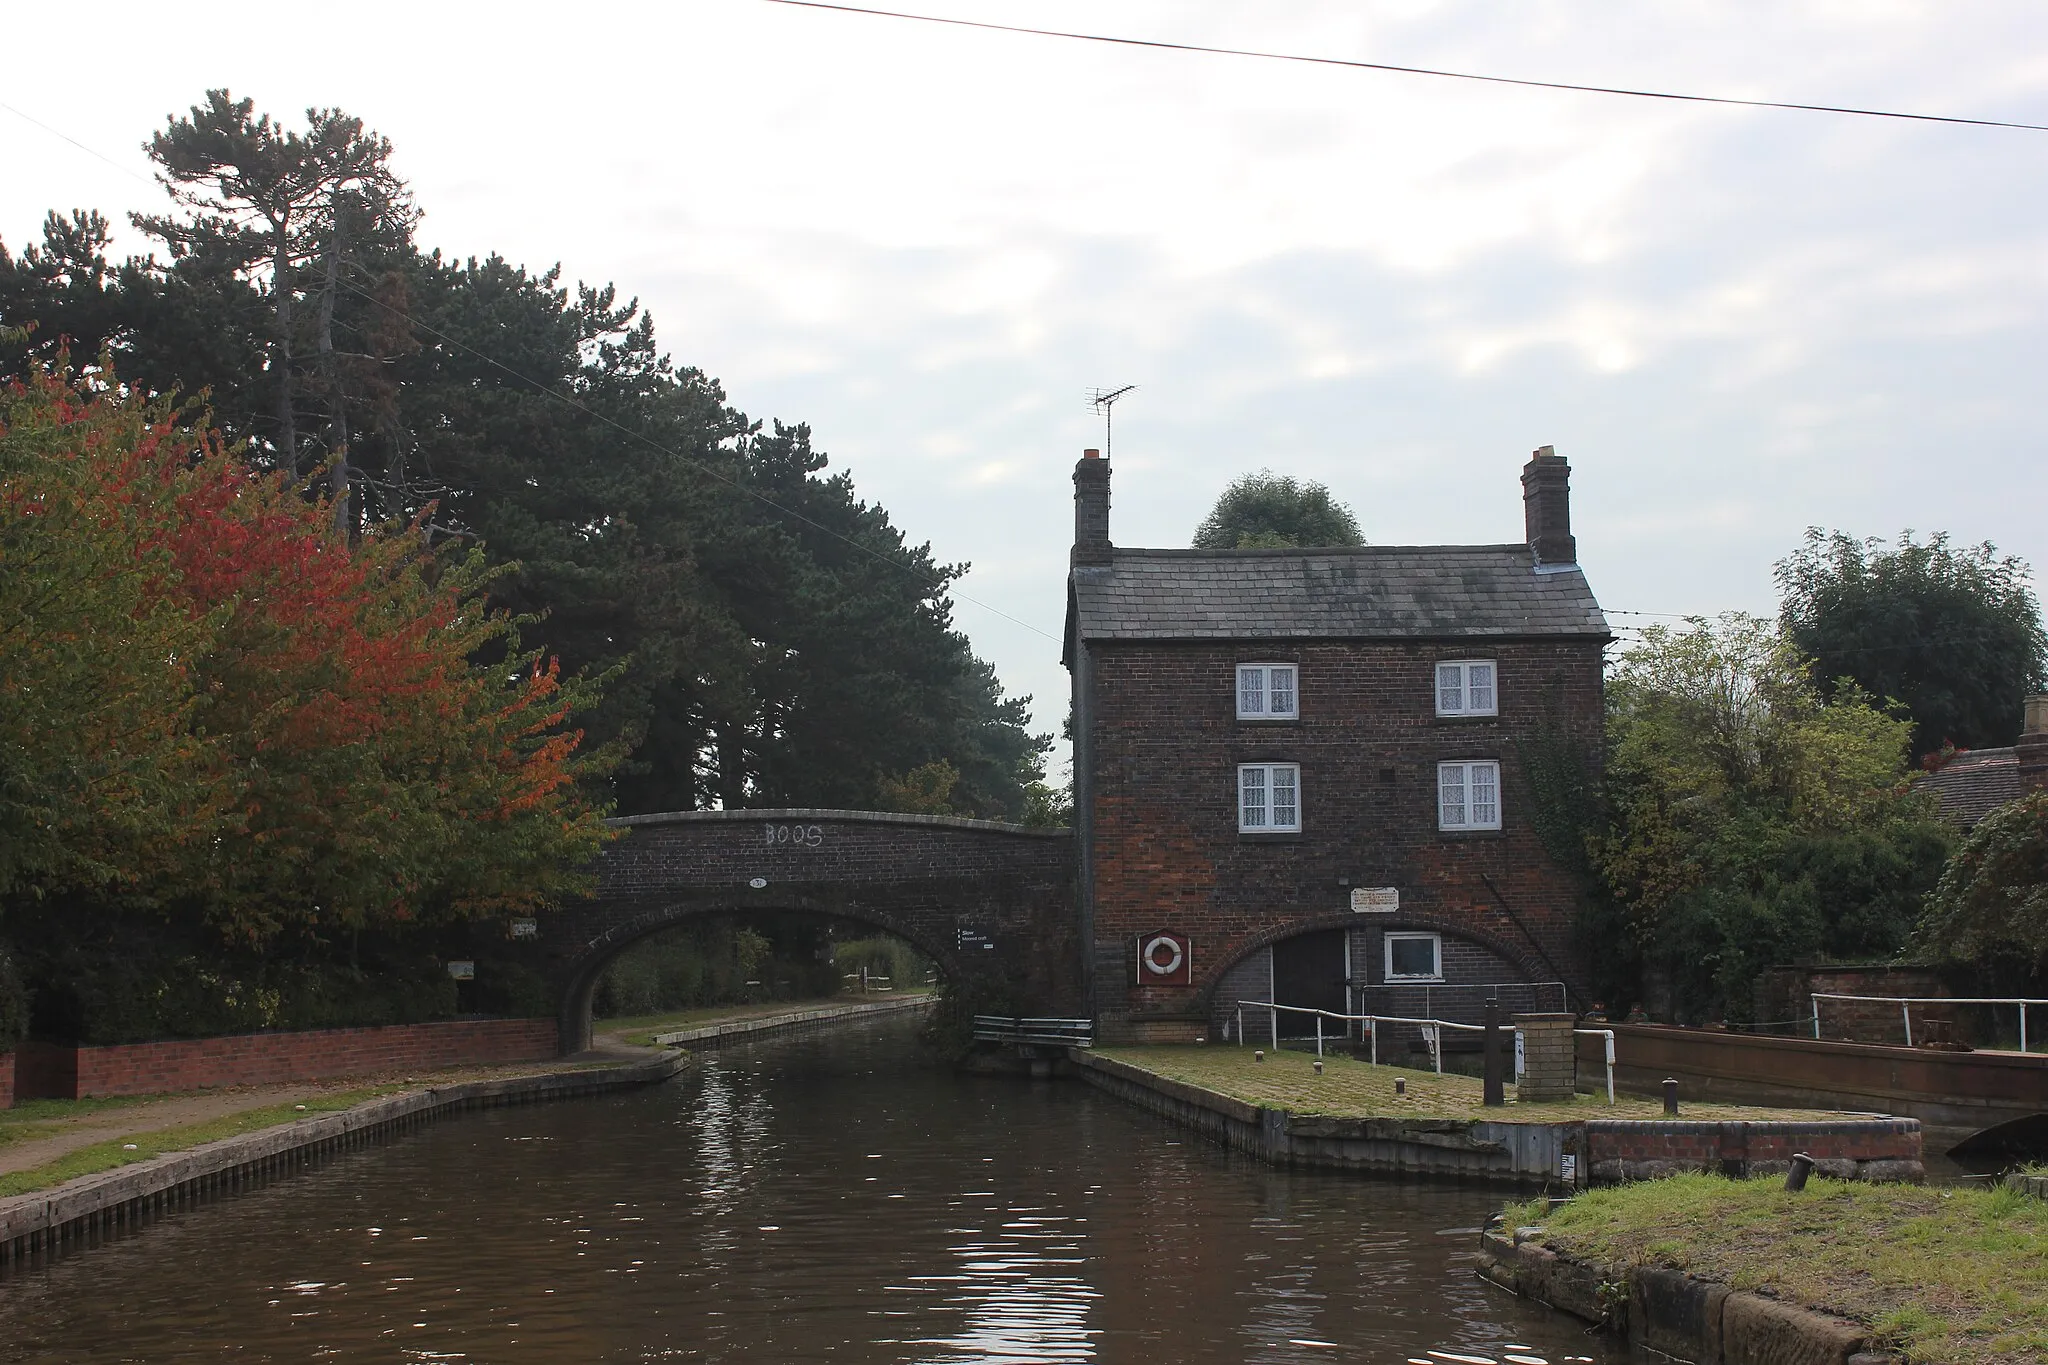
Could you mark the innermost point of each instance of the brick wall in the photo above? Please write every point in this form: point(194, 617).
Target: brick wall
point(271, 1058)
point(1162, 745)
point(1869, 1149)
point(1787, 993)
point(6, 1080)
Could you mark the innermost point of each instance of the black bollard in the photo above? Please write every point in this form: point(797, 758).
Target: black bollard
point(1802, 1167)
point(1495, 1085)
point(1670, 1096)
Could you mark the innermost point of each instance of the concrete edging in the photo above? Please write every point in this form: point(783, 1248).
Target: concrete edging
point(796, 1021)
point(82, 1211)
point(1676, 1314)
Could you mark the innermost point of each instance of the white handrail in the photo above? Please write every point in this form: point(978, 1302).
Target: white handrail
point(1429, 1027)
point(1906, 1003)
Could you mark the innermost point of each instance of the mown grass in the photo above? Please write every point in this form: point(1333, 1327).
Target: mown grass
point(1954, 1276)
point(113, 1153)
point(1352, 1089)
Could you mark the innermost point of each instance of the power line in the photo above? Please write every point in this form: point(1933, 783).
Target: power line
point(1162, 45)
point(930, 581)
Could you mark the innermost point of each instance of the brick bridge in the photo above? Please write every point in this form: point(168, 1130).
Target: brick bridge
point(973, 895)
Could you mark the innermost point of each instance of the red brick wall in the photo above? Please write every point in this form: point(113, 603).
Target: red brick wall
point(1161, 751)
point(270, 1058)
point(6, 1080)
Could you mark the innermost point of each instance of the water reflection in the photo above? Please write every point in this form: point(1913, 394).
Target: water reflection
point(817, 1199)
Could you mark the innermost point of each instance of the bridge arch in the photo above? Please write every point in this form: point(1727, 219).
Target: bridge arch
point(973, 895)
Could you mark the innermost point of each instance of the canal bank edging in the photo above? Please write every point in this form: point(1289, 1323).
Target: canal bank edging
point(796, 1021)
point(1675, 1314)
point(1572, 1153)
point(92, 1207)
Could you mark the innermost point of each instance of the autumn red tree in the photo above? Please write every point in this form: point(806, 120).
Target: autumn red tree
point(214, 705)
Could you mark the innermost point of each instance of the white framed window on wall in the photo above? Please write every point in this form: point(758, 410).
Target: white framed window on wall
point(1466, 687)
point(1267, 692)
point(1268, 798)
point(1468, 794)
point(1415, 957)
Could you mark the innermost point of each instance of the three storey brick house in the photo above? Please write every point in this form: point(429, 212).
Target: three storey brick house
point(1301, 775)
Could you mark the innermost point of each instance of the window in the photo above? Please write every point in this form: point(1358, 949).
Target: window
point(1468, 795)
point(1266, 692)
point(1415, 957)
point(1268, 798)
point(1464, 687)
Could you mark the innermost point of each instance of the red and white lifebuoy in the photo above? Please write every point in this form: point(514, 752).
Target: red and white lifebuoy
point(1163, 955)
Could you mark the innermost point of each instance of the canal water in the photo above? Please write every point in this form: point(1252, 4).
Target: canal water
point(834, 1198)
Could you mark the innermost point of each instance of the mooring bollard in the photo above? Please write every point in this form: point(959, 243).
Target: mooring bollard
point(1802, 1167)
point(1258, 1054)
point(1670, 1095)
point(1400, 1085)
point(1319, 1066)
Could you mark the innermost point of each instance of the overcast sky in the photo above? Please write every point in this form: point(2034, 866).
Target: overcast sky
point(929, 242)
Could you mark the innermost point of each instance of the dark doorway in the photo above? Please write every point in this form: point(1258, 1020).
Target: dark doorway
point(1308, 970)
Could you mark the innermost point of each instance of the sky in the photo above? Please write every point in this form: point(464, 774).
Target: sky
point(931, 242)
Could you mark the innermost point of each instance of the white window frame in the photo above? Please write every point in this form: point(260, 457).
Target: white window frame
point(1387, 942)
point(1457, 775)
point(1464, 687)
point(1264, 807)
point(1265, 690)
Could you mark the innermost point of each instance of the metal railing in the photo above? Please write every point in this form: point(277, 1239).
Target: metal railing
point(1430, 989)
point(1906, 1003)
point(996, 1028)
point(1432, 1034)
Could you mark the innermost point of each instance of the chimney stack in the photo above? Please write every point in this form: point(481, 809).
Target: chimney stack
point(2032, 749)
point(1547, 509)
point(1091, 509)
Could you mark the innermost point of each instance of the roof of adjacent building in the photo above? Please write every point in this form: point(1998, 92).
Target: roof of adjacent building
point(1367, 592)
point(1973, 784)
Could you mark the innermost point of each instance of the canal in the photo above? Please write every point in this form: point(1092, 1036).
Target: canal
point(824, 1198)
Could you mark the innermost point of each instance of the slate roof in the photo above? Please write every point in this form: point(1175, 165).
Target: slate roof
point(1972, 785)
point(1370, 592)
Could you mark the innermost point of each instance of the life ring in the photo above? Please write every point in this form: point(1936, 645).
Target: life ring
point(1150, 955)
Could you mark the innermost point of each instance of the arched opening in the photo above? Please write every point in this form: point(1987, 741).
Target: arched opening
point(1409, 968)
point(701, 956)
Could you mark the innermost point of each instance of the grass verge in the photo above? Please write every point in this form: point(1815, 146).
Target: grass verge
point(639, 1030)
point(115, 1152)
point(1955, 1276)
point(1352, 1089)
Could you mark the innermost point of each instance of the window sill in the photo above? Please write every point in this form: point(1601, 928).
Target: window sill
point(1412, 981)
point(1276, 836)
point(1269, 720)
point(1470, 833)
point(1463, 719)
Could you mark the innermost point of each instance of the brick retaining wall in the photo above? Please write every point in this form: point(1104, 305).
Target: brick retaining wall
point(49, 1071)
point(6, 1080)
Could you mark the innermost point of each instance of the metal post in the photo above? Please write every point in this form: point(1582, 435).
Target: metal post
point(1240, 1024)
point(2023, 1026)
point(1906, 1012)
point(1273, 1013)
point(1373, 1025)
point(1493, 1090)
point(1816, 1017)
point(1319, 1033)
point(1610, 1066)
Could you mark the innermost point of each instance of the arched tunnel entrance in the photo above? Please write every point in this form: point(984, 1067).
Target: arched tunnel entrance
point(708, 956)
point(974, 896)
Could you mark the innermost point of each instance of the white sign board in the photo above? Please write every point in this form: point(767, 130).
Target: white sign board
point(1375, 900)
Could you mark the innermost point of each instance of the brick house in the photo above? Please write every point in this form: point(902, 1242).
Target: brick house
point(1300, 774)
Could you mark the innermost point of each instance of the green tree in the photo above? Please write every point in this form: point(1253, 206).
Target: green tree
point(1991, 906)
point(1268, 511)
point(1952, 633)
point(1752, 818)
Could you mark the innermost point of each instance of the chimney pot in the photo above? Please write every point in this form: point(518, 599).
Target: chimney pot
point(1091, 453)
point(2031, 752)
point(1547, 508)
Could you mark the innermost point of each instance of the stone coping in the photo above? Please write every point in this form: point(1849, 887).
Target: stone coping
point(1671, 1314)
point(862, 817)
point(770, 1023)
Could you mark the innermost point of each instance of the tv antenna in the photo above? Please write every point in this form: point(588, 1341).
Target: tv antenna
point(1102, 400)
